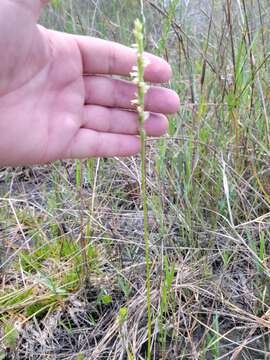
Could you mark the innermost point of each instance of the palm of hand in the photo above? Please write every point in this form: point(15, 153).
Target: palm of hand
point(43, 116)
point(51, 108)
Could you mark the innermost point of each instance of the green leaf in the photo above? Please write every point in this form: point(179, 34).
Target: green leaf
point(56, 4)
point(11, 335)
point(123, 313)
point(106, 299)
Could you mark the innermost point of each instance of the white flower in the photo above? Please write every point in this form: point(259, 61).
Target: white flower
point(134, 74)
point(146, 115)
point(146, 61)
point(134, 102)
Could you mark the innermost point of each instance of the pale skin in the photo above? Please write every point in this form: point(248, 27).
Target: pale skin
point(59, 98)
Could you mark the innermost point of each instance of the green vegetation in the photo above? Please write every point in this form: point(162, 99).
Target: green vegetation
point(73, 269)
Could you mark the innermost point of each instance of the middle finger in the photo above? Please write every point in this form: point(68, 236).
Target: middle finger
point(105, 91)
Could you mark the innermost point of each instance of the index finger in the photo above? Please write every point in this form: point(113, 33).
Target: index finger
point(110, 58)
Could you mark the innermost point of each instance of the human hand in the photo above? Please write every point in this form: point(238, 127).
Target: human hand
point(58, 99)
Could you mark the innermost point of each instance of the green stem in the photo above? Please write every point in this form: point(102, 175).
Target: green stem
point(139, 101)
point(146, 237)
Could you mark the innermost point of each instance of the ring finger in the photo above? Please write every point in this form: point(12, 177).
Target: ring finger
point(111, 120)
